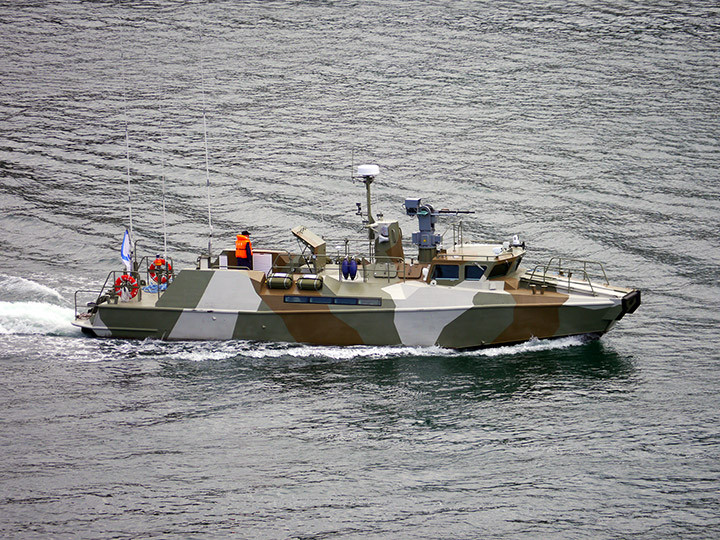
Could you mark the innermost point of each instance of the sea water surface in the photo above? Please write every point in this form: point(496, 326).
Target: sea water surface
point(589, 128)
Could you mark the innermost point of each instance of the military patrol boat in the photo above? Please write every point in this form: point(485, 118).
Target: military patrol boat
point(461, 296)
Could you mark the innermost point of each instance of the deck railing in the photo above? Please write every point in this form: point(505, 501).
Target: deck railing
point(560, 270)
point(142, 279)
point(108, 289)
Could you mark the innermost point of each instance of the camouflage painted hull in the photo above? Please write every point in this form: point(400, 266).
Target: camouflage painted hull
point(466, 296)
point(225, 304)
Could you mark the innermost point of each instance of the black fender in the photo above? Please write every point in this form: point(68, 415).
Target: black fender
point(630, 302)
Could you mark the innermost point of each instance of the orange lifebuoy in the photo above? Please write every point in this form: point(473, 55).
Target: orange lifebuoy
point(126, 283)
point(162, 267)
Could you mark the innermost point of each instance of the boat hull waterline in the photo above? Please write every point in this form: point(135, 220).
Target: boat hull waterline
point(462, 297)
point(235, 304)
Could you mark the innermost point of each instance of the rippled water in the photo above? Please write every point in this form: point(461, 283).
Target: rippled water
point(591, 129)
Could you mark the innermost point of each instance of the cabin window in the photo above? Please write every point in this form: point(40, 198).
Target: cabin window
point(320, 299)
point(446, 271)
point(473, 272)
point(499, 269)
point(369, 301)
point(336, 300)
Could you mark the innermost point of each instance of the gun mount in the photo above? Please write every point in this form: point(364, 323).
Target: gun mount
point(426, 239)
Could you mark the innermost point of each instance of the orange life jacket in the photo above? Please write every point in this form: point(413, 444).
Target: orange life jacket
point(243, 247)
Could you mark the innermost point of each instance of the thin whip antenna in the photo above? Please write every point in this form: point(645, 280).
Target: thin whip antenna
point(127, 145)
point(207, 159)
point(162, 167)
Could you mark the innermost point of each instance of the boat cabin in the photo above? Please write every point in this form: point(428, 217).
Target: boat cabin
point(473, 262)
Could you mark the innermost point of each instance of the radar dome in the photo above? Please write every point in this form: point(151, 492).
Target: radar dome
point(368, 170)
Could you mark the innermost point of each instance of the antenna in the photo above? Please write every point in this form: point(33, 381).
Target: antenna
point(207, 160)
point(162, 166)
point(127, 144)
point(352, 163)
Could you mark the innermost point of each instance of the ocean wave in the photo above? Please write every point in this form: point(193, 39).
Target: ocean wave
point(213, 351)
point(532, 345)
point(36, 318)
point(19, 289)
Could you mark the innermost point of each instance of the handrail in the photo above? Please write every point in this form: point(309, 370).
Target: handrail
point(108, 287)
point(483, 258)
point(169, 264)
point(458, 234)
point(111, 278)
point(386, 268)
point(290, 267)
point(557, 279)
point(346, 244)
point(584, 262)
point(568, 271)
point(95, 292)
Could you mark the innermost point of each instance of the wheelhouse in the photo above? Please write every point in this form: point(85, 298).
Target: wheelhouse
point(448, 269)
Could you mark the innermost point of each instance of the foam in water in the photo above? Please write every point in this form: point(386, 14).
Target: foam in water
point(16, 288)
point(29, 307)
point(198, 351)
point(36, 318)
point(532, 345)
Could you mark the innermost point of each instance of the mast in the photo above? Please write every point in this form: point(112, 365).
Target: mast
point(162, 167)
point(127, 146)
point(367, 180)
point(207, 159)
point(131, 243)
point(367, 174)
